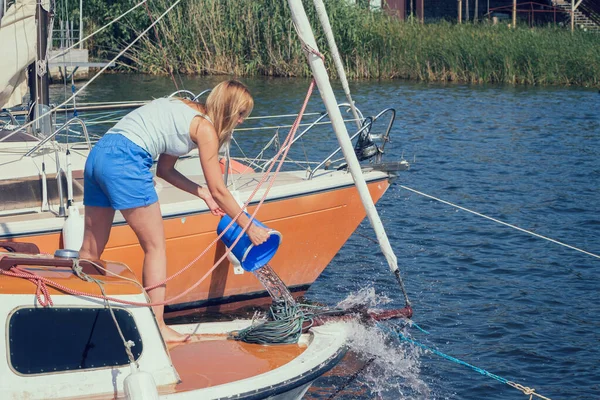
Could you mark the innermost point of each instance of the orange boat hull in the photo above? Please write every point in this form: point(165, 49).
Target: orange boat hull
point(314, 228)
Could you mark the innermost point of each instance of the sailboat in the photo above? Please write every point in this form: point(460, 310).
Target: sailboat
point(62, 345)
point(41, 189)
point(84, 329)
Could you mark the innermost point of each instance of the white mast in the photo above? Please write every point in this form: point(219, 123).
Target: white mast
point(322, 78)
point(322, 13)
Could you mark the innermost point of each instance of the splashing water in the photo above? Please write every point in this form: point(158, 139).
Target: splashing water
point(364, 297)
point(395, 367)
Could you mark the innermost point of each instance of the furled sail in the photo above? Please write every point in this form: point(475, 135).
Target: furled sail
point(18, 44)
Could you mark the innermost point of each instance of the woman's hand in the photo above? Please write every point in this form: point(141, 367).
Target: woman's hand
point(257, 234)
point(205, 195)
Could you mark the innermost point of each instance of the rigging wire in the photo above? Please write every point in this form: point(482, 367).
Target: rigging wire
point(164, 52)
point(501, 222)
point(96, 31)
point(92, 79)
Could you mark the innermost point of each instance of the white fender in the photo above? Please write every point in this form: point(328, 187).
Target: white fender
point(73, 230)
point(139, 385)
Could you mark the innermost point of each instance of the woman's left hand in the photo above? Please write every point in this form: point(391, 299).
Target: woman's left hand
point(205, 195)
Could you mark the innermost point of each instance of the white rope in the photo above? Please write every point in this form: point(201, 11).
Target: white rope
point(65, 51)
point(501, 222)
point(95, 76)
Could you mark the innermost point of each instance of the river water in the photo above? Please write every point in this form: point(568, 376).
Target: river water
point(516, 305)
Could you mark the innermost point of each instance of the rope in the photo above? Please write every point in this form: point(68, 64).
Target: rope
point(38, 281)
point(285, 326)
point(128, 344)
point(501, 222)
point(526, 390)
point(285, 323)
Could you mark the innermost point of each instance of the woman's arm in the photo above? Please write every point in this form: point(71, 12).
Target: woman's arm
point(208, 148)
point(165, 169)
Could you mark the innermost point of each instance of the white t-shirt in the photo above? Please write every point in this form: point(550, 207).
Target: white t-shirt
point(161, 126)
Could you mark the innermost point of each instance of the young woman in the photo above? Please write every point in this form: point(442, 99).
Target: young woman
point(117, 175)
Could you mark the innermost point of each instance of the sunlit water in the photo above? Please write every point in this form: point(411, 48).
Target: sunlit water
point(518, 306)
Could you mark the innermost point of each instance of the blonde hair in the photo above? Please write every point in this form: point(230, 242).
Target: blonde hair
point(226, 104)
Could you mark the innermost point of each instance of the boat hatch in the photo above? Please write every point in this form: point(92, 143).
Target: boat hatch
point(50, 340)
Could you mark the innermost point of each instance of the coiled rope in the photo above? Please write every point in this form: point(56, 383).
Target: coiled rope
point(284, 324)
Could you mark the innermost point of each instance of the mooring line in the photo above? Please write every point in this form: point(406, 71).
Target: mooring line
point(526, 390)
point(501, 222)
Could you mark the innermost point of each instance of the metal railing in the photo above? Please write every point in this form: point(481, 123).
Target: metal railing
point(367, 124)
point(10, 115)
point(312, 125)
point(61, 128)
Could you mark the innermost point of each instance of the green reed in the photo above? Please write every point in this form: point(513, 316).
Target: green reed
point(248, 38)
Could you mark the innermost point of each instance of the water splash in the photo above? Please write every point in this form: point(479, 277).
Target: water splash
point(393, 365)
point(366, 296)
point(395, 368)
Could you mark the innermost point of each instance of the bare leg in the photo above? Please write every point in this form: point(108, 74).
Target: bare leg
point(147, 224)
point(98, 221)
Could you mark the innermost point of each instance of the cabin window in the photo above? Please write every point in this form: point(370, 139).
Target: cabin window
point(46, 340)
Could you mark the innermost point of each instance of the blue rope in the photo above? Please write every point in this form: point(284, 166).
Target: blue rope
point(419, 328)
point(439, 353)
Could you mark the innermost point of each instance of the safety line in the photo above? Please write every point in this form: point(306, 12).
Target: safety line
point(500, 222)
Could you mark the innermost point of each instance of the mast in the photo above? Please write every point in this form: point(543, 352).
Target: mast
point(322, 78)
point(322, 13)
point(38, 78)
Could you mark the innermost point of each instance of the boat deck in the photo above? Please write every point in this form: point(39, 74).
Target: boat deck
point(229, 361)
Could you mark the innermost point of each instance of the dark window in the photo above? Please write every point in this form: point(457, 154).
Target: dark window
point(64, 339)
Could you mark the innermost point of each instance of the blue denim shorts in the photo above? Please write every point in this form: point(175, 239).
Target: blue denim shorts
point(117, 175)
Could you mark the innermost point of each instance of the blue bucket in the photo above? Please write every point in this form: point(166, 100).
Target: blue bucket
point(251, 257)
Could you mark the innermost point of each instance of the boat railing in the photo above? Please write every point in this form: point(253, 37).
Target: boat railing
point(13, 119)
point(183, 93)
point(385, 137)
point(60, 129)
point(365, 130)
point(188, 94)
point(316, 122)
point(366, 126)
point(202, 93)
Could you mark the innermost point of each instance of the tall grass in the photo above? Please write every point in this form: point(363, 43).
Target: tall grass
point(257, 37)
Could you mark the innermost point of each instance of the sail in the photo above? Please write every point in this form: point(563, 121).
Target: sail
point(18, 44)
